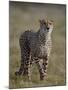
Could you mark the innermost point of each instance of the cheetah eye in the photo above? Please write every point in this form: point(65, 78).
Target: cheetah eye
point(44, 23)
point(50, 23)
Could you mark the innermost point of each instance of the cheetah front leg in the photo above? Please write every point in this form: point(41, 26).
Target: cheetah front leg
point(45, 64)
point(41, 69)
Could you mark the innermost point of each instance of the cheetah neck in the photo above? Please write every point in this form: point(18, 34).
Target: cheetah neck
point(44, 36)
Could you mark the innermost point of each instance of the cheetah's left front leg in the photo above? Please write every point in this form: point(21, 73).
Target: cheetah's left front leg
point(45, 64)
point(41, 69)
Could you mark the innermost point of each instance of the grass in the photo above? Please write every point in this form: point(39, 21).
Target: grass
point(23, 17)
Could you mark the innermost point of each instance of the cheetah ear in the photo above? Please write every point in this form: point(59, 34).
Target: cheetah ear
point(40, 21)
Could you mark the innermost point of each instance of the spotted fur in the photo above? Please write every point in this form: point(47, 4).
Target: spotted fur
point(35, 48)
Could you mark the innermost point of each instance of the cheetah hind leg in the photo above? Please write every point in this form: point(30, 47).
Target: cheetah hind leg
point(24, 63)
point(23, 67)
point(17, 73)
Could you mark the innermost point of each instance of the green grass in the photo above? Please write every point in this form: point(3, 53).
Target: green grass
point(23, 18)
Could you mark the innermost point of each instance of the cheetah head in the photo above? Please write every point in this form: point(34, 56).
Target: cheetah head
point(46, 24)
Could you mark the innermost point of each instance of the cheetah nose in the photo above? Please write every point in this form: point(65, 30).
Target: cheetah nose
point(47, 28)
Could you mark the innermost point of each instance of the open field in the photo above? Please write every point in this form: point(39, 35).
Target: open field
point(24, 16)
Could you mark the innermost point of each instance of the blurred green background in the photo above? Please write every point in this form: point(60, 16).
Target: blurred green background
point(25, 16)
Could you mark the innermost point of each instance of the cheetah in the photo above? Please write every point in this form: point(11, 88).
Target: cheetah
point(36, 48)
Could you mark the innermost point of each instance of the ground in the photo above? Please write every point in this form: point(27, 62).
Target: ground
point(24, 16)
